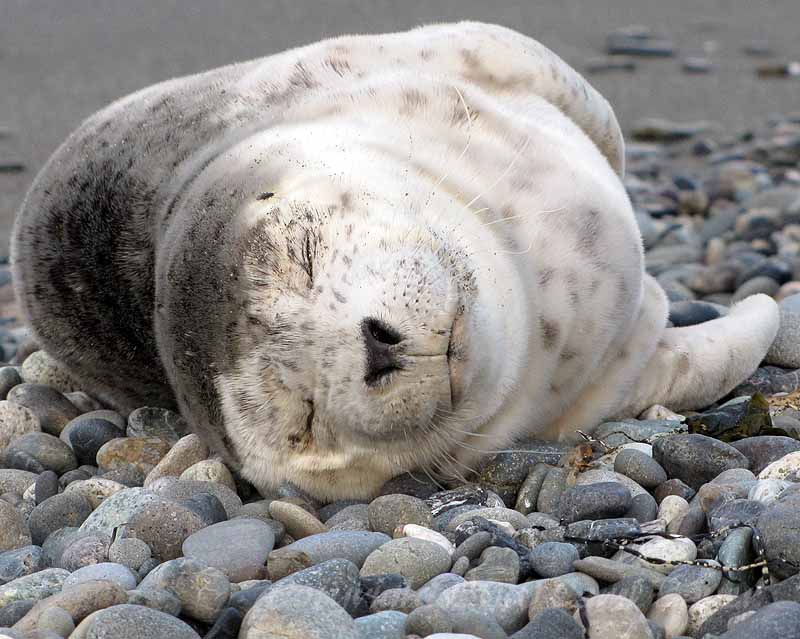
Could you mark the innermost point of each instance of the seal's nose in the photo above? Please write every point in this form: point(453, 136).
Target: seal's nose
point(381, 342)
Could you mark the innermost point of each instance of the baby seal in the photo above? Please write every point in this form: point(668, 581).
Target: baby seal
point(364, 256)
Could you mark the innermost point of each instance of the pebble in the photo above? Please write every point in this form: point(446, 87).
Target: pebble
point(779, 619)
point(79, 600)
point(39, 452)
point(595, 501)
point(701, 611)
point(83, 402)
point(355, 546)
point(666, 550)
point(671, 613)
point(528, 494)
point(37, 586)
point(87, 435)
point(638, 589)
point(508, 603)
point(180, 489)
point(56, 620)
point(417, 560)
point(431, 590)
point(614, 617)
point(428, 620)
point(227, 625)
point(106, 571)
point(641, 468)
point(202, 590)
point(337, 578)
point(673, 487)
point(388, 512)
point(767, 491)
point(297, 612)
point(46, 486)
point(389, 624)
point(239, 548)
point(164, 526)
point(782, 468)
point(475, 622)
point(211, 511)
point(401, 599)
point(672, 508)
point(9, 377)
point(16, 481)
point(298, 522)
point(41, 368)
point(552, 594)
point(612, 571)
point(420, 532)
point(83, 550)
point(142, 453)
point(244, 599)
point(19, 563)
point(52, 409)
point(784, 351)
point(210, 470)
point(156, 599)
point(693, 583)
point(498, 514)
point(186, 452)
point(133, 622)
point(15, 421)
point(553, 559)
point(14, 532)
point(65, 509)
point(496, 564)
point(164, 424)
point(130, 552)
point(696, 459)
point(763, 450)
point(96, 489)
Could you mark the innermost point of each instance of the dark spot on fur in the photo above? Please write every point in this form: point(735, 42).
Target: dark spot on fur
point(412, 101)
point(339, 297)
point(265, 195)
point(545, 276)
point(340, 66)
point(550, 332)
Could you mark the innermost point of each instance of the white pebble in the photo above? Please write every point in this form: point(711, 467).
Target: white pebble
point(767, 490)
point(670, 612)
point(668, 550)
point(699, 612)
point(782, 468)
point(672, 507)
point(421, 532)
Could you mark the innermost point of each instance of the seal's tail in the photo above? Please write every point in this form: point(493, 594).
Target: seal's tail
point(694, 366)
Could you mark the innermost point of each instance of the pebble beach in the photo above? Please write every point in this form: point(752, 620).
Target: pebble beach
point(660, 527)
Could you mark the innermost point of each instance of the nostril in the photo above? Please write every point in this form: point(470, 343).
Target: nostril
point(382, 358)
point(381, 332)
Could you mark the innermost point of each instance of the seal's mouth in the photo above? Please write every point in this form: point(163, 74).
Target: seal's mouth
point(456, 351)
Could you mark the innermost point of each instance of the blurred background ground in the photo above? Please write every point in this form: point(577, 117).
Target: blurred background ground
point(62, 60)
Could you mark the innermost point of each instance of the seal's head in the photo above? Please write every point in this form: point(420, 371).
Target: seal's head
point(365, 338)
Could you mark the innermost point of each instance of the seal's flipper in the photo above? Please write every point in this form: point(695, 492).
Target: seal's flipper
point(693, 366)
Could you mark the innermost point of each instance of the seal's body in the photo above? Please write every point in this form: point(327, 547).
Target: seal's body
point(368, 255)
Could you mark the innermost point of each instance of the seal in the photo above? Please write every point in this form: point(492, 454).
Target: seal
point(364, 256)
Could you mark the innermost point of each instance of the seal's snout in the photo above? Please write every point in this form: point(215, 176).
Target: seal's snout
point(383, 352)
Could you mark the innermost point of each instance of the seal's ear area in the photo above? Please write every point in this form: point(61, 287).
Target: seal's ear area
point(694, 366)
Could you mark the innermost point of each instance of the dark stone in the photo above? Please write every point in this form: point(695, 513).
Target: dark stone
point(553, 623)
point(594, 501)
point(504, 472)
point(674, 487)
point(763, 450)
point(780, 619)
point(46, 486)
point(696, 459)
point(689, 313)
point(467, 495)
point(244, 599)
point(638, 589)
point(62, 510)
point(337, 578)
point(13, 612)
point(735, 513)
point(87, 436)
point(50, 406)
point(207, 506)
point(769, 380)
point(226, 626)
point(149, 421)
point(417, 485)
